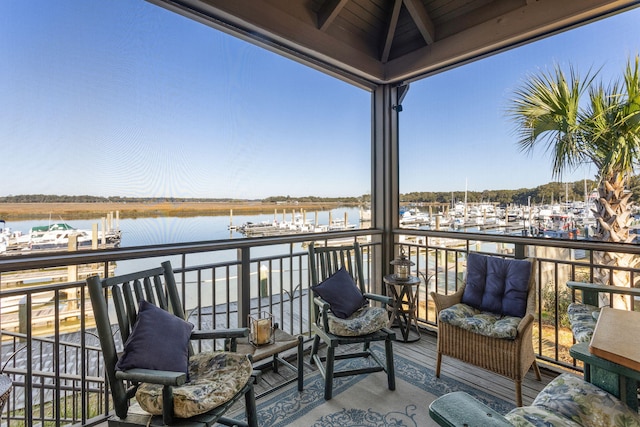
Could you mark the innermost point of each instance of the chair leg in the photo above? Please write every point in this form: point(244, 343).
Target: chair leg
point(438, 363)
point(536, 369)
point(314, 348)
point(167, 406)
point(300, 364)
point(518, 393)
point(250, 407)
point(328, 374)
point(391, 371)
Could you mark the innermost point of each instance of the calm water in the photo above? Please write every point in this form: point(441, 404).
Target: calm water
point(164, 230)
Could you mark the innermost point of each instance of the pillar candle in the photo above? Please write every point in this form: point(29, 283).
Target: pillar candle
point(263, 335)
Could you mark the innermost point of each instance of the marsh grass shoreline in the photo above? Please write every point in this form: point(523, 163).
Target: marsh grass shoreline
point(74, 210)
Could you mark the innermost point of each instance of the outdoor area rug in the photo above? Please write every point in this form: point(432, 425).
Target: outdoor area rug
point(365, 400)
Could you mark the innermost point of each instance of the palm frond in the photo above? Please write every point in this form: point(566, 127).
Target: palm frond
point(546, 110)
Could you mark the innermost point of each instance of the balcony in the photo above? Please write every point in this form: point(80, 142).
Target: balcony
point(52, 355)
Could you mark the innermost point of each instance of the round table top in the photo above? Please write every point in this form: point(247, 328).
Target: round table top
point(392, 279)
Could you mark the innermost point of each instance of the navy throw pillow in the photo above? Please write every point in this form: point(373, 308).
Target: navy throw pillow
point(497, 285)
point(159, 340)
point(475, 280)
point(517, 275)
point(341, 292)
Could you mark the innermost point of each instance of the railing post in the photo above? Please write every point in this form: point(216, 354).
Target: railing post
point(244, 286)
point(520, 251)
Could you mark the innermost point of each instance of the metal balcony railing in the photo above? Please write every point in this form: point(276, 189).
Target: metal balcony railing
point(51, 353)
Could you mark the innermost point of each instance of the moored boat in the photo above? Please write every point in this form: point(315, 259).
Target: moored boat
point(57, 236)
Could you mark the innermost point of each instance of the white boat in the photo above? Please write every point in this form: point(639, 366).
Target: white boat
point(414, 216)
point(56, 236)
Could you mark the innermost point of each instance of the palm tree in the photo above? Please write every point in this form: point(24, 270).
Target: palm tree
point(603, 130)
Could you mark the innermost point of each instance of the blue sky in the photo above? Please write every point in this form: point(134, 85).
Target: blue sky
point(123, 98)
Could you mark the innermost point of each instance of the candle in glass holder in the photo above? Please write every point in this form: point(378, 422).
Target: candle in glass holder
point(261, 328)
point(263, 331)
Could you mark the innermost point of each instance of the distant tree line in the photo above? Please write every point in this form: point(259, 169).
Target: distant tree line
point(546, 193)
point(314, 199)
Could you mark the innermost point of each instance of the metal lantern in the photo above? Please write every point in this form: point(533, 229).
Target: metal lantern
point(402, 265)
point(261, 328)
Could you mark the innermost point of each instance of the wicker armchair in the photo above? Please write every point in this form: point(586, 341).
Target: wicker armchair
point(510, 357)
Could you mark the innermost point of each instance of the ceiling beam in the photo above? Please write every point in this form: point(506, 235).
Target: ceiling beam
point(421, 18)
point(391, 30)
point(328, 12)
point(290, 28)
point(277, 30)
point(523, 25)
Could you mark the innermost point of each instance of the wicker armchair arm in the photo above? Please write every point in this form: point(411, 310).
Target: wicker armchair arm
point(445, 301)
point(526, 322)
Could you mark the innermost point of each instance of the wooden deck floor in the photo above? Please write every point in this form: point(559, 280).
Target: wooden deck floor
point(425, 350)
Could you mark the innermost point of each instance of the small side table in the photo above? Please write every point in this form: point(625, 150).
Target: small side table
point(403, 310)
point(282, 341)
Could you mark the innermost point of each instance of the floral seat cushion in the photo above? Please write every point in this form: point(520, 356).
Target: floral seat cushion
point(569, 401)
point(364, 321)
point(214, 378)
point(582, 320)
point(480, 322)
point(533, 416)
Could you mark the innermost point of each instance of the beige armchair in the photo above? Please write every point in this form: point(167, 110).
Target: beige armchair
point(490, 339)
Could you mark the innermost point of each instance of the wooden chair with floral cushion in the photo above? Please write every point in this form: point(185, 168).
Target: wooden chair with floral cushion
point(488, 321)
point(341, 314)
point(157, 364)
point(583, 313)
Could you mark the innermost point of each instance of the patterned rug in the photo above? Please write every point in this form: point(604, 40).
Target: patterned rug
point(365, 400)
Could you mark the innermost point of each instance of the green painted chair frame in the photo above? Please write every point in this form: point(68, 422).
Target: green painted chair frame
point(591, 291)
point(615, 379)
point(323, 262)
point(157, 286)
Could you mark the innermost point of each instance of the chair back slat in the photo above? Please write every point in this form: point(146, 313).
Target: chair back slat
point(324, 261)
point(160, 293)
point(149, 290)
point(137, 290)
point(121, 312)
point(130, 306)
point(173, 298)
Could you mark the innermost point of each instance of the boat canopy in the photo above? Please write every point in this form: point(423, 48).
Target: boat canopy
point(52, 227)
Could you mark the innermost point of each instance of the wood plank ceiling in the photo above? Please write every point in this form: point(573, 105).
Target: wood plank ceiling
point(371, 42)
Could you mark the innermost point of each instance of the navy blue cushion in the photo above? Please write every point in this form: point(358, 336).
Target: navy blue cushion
point(475, 280)
point(341, 292)
point(497, 284)
point(159, 340)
